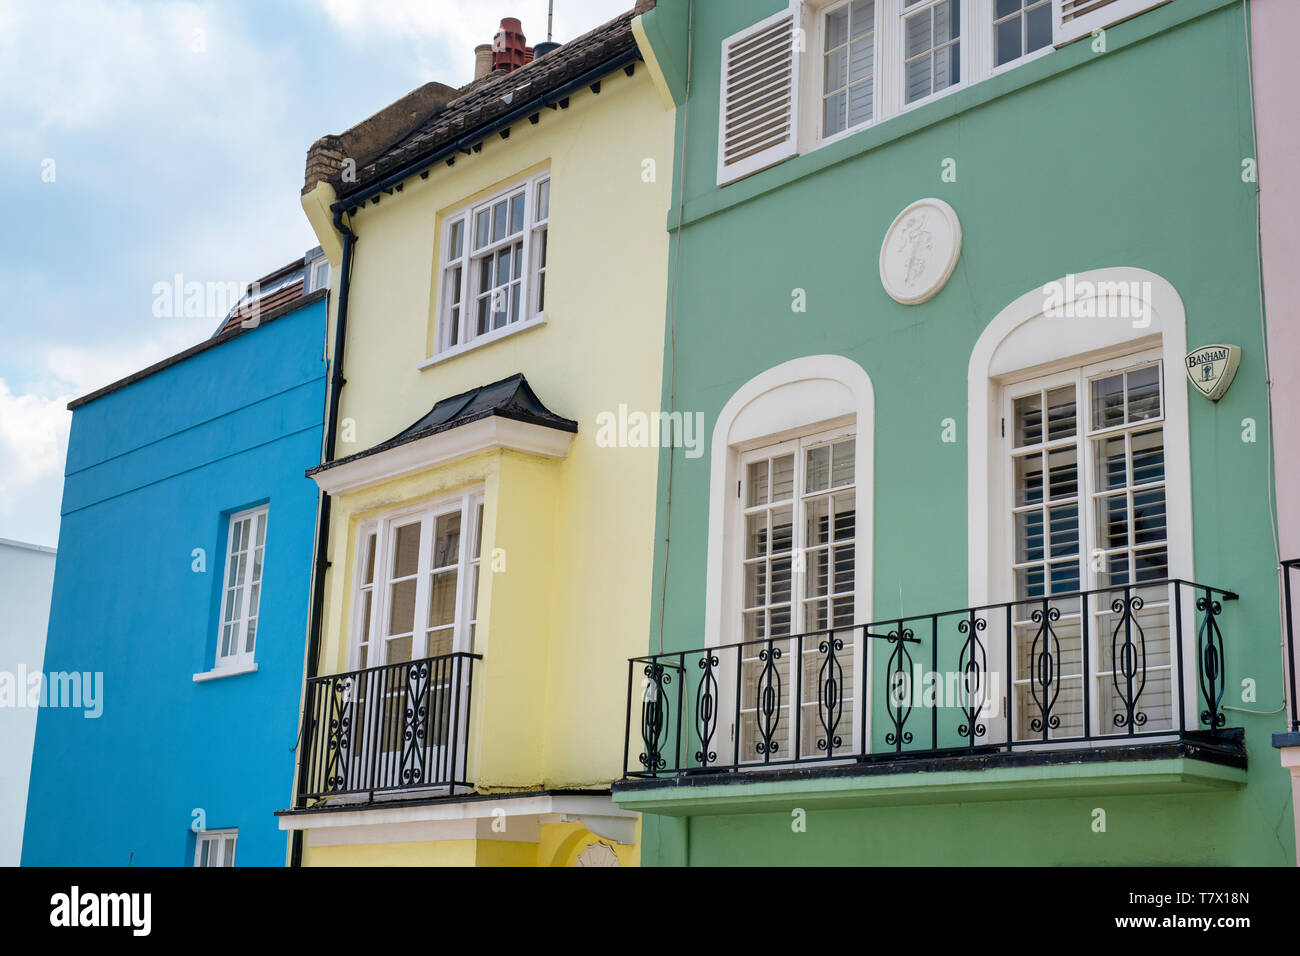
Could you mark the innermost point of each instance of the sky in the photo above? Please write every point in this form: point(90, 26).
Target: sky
point(148, 139)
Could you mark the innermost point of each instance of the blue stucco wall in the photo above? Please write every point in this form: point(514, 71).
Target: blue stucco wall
point(153, 472)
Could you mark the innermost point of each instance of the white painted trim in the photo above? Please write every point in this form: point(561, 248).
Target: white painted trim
point(1023, 342)
point(1101, 18)
point(466, 820)
point(720, 626)
point(486, 434)
point(232, 671)
point(790, 145)
point(483, 341)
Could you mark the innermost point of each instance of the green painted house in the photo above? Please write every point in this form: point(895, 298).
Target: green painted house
point(976, 566)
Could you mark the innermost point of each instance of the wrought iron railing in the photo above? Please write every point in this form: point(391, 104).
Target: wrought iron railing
point(387, 730)
point(1290, 597)
point(1086, 668)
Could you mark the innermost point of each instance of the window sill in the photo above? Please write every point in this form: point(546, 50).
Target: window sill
point(229, 671)
point(485, 340)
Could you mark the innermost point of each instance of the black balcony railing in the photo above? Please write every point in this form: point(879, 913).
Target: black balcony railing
point(1087, 668)
point(1291, 597)
point(387, 730)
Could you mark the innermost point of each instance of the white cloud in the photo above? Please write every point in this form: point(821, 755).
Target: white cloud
point(460, 25)
point(33, 443)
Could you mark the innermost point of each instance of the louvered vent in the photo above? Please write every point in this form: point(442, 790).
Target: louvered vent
point(760, 90)
point(1079, 18)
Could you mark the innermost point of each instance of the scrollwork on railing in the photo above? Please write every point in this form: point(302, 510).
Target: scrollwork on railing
point(1129, 660)
point(415, 713)
point(769, 701)
point(339, 698)
point(973, 665)
point(898, 671)
point(654, 719)
point(1209, 652)
point(706, 709)
point(1045, 668)
point(830, 693)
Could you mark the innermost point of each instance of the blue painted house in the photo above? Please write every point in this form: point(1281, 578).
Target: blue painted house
point(177, 629)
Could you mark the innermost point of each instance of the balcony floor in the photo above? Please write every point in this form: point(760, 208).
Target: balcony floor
point(1197, 762)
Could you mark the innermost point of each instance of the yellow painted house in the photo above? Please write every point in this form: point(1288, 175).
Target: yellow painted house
point(500, 260)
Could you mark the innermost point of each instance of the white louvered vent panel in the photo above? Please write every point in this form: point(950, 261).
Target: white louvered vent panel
point(760, 86)
point(1079, 18)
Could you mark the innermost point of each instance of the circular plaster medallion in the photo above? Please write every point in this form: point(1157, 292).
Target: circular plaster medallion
point(920, 251)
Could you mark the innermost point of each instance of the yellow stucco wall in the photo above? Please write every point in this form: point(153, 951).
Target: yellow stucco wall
point(556, 628)
point(561, 844)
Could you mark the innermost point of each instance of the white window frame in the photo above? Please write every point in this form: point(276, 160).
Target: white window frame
point(315, 281)
point(976, 40)
point(462, 326)
point(242, 659)
point(798, 446)
point(220, 842)
point(987, 23)
point(368, 632)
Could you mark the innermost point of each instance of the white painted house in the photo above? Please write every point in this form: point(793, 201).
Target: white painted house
point(26, 580)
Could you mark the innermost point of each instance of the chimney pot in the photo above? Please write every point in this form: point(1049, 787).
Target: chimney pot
point(482, 60)
point(509, 47)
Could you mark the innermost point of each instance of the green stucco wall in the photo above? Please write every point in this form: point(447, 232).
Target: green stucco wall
point(1077, 161)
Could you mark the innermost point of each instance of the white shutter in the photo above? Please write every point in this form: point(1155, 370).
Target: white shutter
point(1073, 19)
point(757, 112)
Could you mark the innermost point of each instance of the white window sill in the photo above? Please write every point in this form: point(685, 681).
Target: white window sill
point(484, 340)
point(230, 670)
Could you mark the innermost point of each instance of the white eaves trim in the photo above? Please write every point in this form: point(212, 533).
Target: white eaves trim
point(486, 434)
point(466, 820)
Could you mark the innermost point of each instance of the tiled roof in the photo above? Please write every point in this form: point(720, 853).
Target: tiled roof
point(511, 398)
point(496, 94)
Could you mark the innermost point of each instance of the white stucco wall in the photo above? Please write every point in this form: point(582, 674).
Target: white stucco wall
point(26, 580)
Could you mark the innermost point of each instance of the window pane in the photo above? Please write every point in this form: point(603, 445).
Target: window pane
point(782, 530)
point(947, 21)
point(837, 69)
point(446, 541)
point(842, 455)
point(1064, 530)
point(1004, 8)
point(757, 483)
point(1108, 402)
point(917, 33)
point(861, 100)
point(1111, 464)
point(818, 471)
point(755, 535)
point(482, 225)
point(845, 515)
point(783, 478)
point(756, 584)
point(442, 599)
point(1029, 480)
point(456, 240)
point(1007, 40)
point(837, 28)
point(1148, 457)
point(947, 67)
point(517, 214)
point(543, 200)
point(1112, 522)
point(817, 522)
point(406, 550)
point(1144, 394)
point(833, 115)
point(1028, 415)
point(861, 59)
point(1063, 473)
point(499, 213)
point(1029, 536)
point(401, 613)
point(1060, 413)
point(1038, 27)
point(863, 18)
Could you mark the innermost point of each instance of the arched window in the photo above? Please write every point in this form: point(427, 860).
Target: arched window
point(790, 530)
point(1079, 480)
